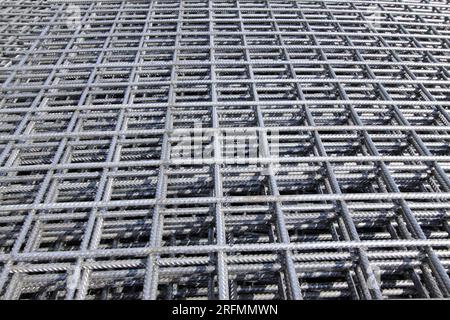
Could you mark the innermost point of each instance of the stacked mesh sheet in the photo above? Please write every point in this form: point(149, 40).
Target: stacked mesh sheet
point(233, 149)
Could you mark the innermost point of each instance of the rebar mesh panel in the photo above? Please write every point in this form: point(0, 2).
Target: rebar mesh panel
point(233, 149)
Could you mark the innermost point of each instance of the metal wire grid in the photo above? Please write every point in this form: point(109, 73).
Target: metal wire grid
point(347, 196)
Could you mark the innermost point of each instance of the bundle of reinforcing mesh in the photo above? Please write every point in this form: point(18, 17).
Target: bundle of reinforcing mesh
point(233, 149)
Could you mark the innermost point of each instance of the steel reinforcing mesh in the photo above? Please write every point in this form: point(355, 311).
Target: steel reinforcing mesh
point(233, 149)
